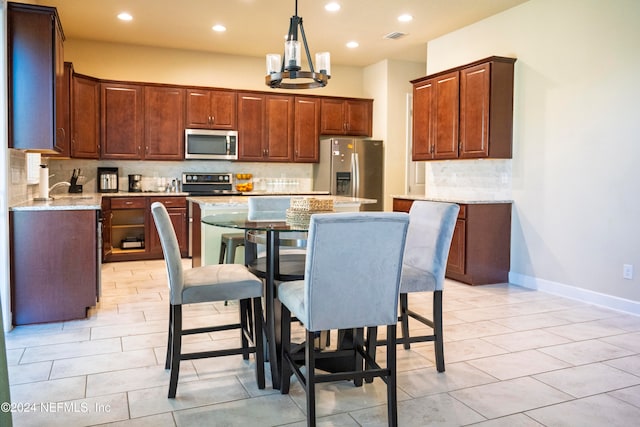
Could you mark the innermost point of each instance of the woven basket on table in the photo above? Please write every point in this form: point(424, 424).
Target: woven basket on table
point(302, 208)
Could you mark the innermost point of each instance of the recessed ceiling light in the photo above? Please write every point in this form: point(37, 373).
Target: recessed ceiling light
point(352, 45)
point(405, 18)
point(124, 16)
point(219, 28)
point(332, 7)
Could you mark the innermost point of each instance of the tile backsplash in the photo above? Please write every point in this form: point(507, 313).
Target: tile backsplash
point(154, 174)
point(486, 179)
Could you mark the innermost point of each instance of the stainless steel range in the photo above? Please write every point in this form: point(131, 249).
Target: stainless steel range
point(208, 184)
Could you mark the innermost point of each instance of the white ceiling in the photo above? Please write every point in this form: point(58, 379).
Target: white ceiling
point(257, 27)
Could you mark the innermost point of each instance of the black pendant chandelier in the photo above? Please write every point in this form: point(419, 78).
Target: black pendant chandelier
point(287, 73)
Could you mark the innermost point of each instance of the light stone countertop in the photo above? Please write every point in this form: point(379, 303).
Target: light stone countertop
point(240, 201)
point(81, 201)
point(451, 200)
point(93, 201)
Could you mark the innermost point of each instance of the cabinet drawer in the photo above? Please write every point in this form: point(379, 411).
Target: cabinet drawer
point(462, 214)
point(128, 203)
point(170, 202)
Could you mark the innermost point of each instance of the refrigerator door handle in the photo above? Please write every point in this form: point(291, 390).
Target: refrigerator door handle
point(355, 175)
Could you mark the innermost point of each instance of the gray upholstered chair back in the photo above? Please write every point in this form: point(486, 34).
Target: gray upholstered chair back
point(352, 271)
point(431, 228)
point(268, 208)
point(171, 251)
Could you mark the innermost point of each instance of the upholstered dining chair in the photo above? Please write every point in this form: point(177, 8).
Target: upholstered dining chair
point(429, 237)
point(219, 282)
point(351, 282)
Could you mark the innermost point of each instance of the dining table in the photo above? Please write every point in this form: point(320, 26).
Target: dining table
point(273, 266)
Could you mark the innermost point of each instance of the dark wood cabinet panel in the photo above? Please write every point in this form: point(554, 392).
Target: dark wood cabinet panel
point(480, 250)
point(456, 260)
point(54, 265)
point(211, 109)
point(63, 110)
point(122, 121)
point(346, 116)
point(163, 123)
point(486, 110)
point(423, 109)
point(279, 128)
point(35, 79)
point(445, 118)
point(466, 112)
point(85, 117)
point(177, 209)
point(251, 126)
point(306, 136)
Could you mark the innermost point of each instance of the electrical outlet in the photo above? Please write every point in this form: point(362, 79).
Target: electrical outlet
point(627, 271)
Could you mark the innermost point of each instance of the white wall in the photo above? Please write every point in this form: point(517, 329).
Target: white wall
point(575, 180)
point(388, 83)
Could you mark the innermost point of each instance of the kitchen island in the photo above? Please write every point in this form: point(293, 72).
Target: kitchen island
point(480, 251)
point(206, 240)
point(55, 258)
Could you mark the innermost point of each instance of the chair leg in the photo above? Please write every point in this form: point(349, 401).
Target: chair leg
point(223, 249)
point(258, 342)
point(285, 333)
point(437, 330)
point(372, 343)
point(358, 334)
point(404, 319)
point(175, 349)
point(244, 313)
point(310, 362)
point(392, 398)
point(167, 362)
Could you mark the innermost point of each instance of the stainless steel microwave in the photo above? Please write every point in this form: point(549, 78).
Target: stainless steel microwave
point(206, 144)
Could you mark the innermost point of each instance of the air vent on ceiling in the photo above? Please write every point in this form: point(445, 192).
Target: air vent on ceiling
point(394, 35)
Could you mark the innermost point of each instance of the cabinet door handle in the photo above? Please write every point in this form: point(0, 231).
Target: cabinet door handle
point(213, 119)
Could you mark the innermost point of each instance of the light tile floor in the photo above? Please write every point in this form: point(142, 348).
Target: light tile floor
point(514, 357)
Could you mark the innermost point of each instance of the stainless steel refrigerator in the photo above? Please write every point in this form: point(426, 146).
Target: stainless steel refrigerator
point(351, 167)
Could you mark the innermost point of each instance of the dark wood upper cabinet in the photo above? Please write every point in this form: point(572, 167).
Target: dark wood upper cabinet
point(466, 112)
point(36, 79)
point(486, 110)
point(163, 123)
point(279, 128)
point(435, 118)
point(211, 109)
point(85, 117)
point(122, 121)
point(306, 136)
point(265, 127)
point(251, 126)
point(346, 116)
point(446, 117)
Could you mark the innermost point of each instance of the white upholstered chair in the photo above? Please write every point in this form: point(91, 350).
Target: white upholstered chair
point(220, 282)
point(431, 228)
point(351, 281)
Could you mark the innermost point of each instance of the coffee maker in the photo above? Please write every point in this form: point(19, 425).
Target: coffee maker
point(135, 183)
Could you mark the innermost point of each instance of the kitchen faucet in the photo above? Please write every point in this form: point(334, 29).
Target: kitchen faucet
point(58, 184)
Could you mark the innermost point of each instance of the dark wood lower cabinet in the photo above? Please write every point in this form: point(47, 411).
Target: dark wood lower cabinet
point(54, 264)
point(129, 218)
point(480, 251)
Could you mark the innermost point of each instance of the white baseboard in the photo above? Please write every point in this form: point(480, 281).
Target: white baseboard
point(584, 295)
